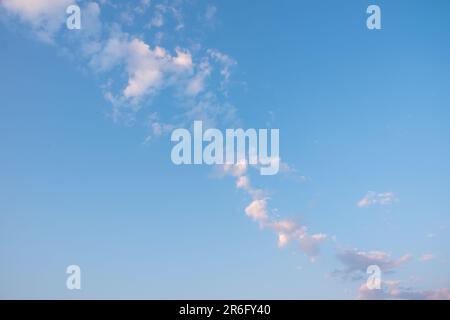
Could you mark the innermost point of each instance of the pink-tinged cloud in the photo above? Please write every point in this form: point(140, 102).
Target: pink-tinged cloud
point(287, 231)
point(393, 290)
point(426, 257)
point(356, 262)
point(257, 210)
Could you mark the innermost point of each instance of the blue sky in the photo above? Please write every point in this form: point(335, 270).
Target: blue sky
point(86, 176)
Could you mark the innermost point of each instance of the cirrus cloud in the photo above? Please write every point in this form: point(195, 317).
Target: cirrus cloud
point(377, 198)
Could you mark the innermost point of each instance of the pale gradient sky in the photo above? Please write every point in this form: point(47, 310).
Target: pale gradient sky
point(85, 170)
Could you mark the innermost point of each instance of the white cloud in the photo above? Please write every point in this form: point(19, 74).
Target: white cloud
point(149, 69)
point(45, 16)
point(36, 11)
point(374, 198)
point(227, 63)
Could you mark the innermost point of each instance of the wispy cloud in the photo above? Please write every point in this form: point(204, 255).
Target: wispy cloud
point(394, 290)
point(45, 16)
point(109, 52)
point(210, 12)
point(356, 262)
point(426, 257)
point(377, 198)
point(227, 63)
